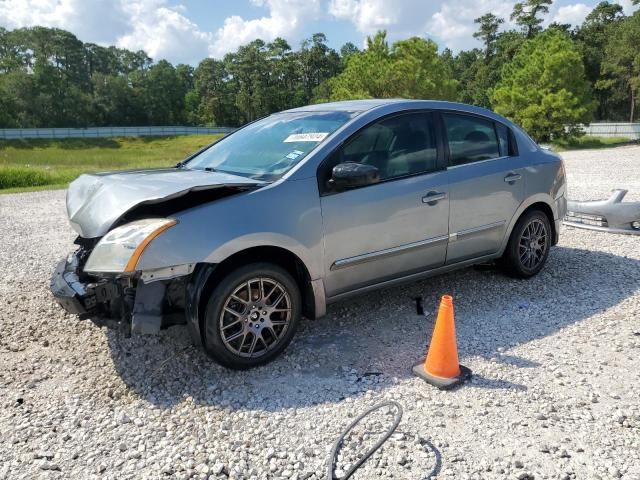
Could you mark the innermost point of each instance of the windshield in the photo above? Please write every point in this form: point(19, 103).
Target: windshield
point(268, 148)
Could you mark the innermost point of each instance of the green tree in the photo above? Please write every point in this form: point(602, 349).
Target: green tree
point(317, 63)
point(115, 103)
point(526, 14)
point(476, 77)
point(565, 28)
point(478, 72)
point(18, 99)
point(60, 79)
point(211, 101)
point(248, 67)
point(544, 88)
point(592, 38)
point(164, 94)
point(621, 65)
point(489, 24)
point(100, 59)
point(347, 50)
point(410, 69)
point(15, 53)
point(284, 77)
point(7, 109)
point(50, 78)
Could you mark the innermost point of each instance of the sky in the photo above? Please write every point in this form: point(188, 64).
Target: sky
point(186, 31)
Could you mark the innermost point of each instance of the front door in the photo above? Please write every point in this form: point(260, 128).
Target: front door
point(395, 227)
point(486, 181)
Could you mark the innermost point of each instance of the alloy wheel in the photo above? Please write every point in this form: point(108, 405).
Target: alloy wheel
point(533, 244)
point(255, 317)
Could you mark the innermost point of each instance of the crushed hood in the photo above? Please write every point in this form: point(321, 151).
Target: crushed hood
point(96, 201)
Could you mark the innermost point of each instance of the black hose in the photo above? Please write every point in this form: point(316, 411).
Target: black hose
point(365, 457)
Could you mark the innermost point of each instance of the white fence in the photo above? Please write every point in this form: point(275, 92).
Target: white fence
point(9, 133)
point(628, 130)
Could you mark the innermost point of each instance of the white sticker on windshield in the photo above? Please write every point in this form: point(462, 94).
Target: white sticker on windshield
point(306, 137)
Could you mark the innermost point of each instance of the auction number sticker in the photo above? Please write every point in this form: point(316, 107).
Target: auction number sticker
point(306, 137)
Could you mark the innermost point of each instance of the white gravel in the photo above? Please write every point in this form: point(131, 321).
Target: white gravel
point(555, 392)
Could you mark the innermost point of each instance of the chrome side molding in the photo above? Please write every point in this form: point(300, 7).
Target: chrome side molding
point(474, 230)
point(367, 257)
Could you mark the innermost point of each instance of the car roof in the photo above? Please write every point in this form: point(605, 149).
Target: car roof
point(347, 105)
point(360, 106)
point(367, 111)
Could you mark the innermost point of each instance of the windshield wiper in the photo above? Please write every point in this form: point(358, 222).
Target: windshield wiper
point(209, 169)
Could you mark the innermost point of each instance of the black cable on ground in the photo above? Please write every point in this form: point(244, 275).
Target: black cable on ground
point(336, 446)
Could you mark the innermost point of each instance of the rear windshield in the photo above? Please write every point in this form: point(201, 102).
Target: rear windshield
point(268, 148)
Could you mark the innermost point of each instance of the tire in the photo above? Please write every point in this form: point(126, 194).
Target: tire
point(241, 332)
point(528, 247)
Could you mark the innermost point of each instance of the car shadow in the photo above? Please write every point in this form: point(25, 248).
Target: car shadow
point(370, 342)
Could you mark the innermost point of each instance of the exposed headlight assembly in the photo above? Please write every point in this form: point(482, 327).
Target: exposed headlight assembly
point(119, 250)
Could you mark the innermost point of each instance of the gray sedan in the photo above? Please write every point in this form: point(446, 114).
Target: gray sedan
point(303, 208)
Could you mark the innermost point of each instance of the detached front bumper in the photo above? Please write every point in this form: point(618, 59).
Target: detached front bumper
point(611, 215)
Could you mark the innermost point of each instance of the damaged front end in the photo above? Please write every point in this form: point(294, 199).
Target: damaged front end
point(141, 303)
point(117, 216)
point(611, 215)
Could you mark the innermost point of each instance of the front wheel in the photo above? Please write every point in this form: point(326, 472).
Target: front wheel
point(251, 316)
point(528, 247)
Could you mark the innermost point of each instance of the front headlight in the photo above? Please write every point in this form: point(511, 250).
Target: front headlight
point(119, 250)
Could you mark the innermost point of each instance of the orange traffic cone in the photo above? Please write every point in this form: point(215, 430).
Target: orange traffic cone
point(441, 367)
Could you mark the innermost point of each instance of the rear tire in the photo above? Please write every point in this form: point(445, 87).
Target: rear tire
point(251, 316)
point(528, 247)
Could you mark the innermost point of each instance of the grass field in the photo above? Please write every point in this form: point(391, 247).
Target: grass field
point(35, 164)
point(589, 143)
point(38, 164)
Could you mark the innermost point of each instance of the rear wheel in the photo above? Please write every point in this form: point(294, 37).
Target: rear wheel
point(528, 247)
point(251, 316)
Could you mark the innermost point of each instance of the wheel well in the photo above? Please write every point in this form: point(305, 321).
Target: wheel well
point(546, 209)
point(277, 255)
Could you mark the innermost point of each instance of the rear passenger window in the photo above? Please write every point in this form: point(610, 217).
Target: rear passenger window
point(471, 139)
point(503, 138)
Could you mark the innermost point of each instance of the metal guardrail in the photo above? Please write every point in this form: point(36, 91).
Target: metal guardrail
point(95, 132)
point(628, 130)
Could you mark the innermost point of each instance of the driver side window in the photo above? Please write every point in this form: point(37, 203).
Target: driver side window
point(398, 146)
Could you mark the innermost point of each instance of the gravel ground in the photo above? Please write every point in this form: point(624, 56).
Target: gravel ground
point(555, 392)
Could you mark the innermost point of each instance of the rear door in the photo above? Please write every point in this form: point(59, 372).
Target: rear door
point(486, 179)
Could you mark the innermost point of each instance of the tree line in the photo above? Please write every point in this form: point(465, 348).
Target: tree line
point(545, 79)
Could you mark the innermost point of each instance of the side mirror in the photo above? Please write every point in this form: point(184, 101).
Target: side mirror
point(351, 174)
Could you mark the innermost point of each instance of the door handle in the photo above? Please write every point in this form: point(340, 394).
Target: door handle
point(432, 198)
point(512, 177)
